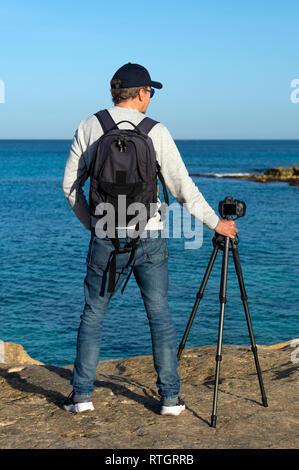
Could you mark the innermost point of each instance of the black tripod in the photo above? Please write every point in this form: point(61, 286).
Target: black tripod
point(221, 242)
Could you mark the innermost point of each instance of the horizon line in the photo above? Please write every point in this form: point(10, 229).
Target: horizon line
point(188, 139)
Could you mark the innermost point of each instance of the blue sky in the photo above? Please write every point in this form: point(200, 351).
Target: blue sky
point(226, 66)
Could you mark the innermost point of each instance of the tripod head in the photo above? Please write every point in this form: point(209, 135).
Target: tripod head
point(220, 240)
point(230, 207)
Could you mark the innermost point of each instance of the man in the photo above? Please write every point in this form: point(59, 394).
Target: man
point(132, 89)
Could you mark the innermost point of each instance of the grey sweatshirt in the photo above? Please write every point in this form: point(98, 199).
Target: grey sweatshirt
point(173, 169)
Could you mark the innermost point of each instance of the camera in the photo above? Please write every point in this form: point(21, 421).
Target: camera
point(230, 207)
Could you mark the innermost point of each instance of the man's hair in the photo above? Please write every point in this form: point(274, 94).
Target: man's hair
point(123, 94)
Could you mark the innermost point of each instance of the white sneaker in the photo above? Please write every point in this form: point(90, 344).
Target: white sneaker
point(71, 405)
point(173, 410)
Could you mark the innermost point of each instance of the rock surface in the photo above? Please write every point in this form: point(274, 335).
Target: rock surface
point(284, 174)
point(126, 414)
point(16, 354)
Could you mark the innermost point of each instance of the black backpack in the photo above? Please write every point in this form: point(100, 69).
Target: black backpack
point(124, 164)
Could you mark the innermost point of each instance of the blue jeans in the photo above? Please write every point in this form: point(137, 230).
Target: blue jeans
point(151, 274)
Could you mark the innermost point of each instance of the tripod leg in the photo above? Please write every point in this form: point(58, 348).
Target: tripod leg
point(221, 321)
point(198, 299)
point(249, 324)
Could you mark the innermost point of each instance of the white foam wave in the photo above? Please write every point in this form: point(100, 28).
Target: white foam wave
point(221, 175)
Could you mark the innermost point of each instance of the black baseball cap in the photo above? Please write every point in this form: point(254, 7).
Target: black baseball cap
point(134, 75)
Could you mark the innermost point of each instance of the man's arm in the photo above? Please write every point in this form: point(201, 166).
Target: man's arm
point(75, 175)
point(181, 185)
point(178, 180)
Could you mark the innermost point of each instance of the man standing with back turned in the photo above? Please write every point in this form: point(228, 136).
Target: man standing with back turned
point(131, 89)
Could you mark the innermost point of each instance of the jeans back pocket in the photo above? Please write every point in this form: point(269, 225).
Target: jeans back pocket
point(155, 250)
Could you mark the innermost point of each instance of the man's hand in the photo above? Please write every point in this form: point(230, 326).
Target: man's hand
point(227, 228)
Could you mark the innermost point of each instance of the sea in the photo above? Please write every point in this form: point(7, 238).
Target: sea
point(44, 246)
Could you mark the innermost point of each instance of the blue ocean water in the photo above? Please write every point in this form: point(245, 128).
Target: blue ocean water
point(43, 249)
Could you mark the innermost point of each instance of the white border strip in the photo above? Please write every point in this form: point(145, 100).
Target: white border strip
point(2, 352)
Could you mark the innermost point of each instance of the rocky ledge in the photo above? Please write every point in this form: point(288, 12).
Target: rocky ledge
point(288, 174)
point(126, 414)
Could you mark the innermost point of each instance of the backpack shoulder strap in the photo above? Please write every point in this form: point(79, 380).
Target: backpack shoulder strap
point(146, 125)
point(105, 120)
